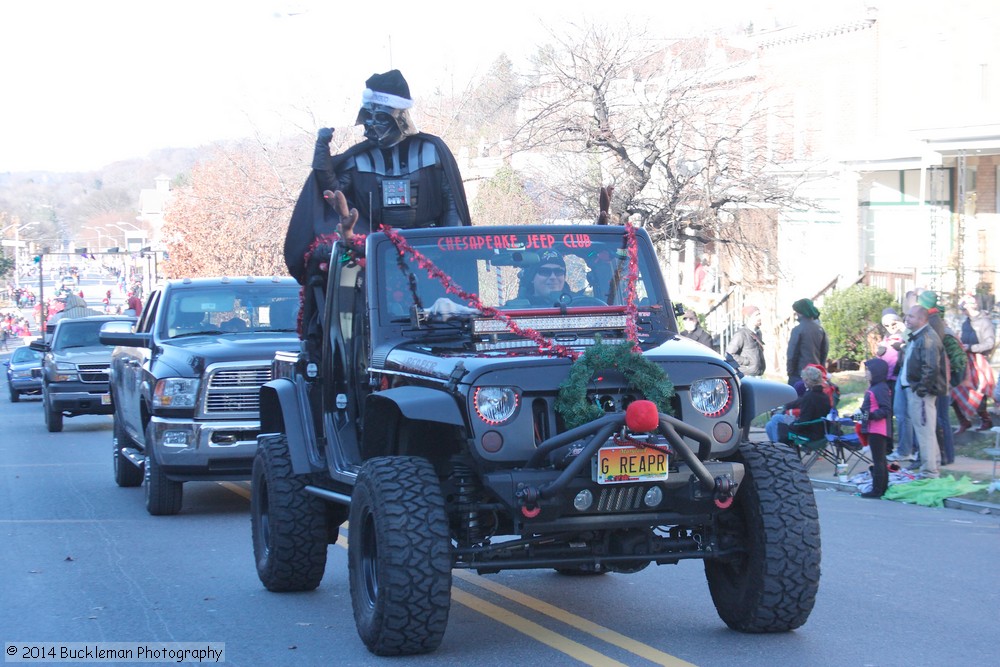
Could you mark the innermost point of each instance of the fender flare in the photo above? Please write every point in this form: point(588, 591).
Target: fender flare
point(284, 408)
point(384, 411)
point(418, 404)
point(758, 396)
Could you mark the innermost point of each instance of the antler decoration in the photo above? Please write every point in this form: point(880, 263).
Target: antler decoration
point(604, 217)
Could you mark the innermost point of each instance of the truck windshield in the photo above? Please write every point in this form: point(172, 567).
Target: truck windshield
point(77, 334)
point(233, 308)
point(514, 270)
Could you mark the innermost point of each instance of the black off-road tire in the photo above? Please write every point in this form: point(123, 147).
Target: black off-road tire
point(399, 556)
point(287, 524)
point(53, 418)
point(126, 474)
point(771, 586)
point(163, 495)
point(15, 395)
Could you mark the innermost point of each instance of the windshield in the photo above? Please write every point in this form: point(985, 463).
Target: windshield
point(77, 334)
point(515, 270)
point(25, 354)
point(234, 308)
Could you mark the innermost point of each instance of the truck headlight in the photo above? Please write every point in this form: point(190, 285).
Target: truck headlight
point(65, 372)
point(495, 405)
point(175, 393)
point(712, 397)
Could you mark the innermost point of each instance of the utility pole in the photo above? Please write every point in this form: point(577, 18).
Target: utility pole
point(41, 295)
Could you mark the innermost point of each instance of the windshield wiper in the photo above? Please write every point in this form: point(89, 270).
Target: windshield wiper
point(210, 332)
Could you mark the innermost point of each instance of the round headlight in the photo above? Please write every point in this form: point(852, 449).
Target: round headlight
point(711, 398)
point(495, 405)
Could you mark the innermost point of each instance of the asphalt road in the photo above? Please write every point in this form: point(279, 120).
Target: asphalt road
point(81, 561)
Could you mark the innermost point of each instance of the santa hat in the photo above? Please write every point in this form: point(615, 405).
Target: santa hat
point(389, 89)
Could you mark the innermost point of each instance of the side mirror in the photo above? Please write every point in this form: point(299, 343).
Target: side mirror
point(39, 346)
point(119, 332)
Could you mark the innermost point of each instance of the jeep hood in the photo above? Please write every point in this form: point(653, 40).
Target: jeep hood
point(683, 359)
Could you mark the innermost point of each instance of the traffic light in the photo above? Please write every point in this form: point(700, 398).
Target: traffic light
point(37, 259)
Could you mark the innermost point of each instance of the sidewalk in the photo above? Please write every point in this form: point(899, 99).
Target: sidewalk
point(823, 475)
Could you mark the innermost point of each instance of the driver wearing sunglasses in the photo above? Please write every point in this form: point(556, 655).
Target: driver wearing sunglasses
point(544, 283)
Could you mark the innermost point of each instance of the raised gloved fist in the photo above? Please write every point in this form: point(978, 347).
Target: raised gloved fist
point(325, 135)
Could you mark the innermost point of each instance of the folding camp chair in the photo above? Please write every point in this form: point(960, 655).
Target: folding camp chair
point(836, 447)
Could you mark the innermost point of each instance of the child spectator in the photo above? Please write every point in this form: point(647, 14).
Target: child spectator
point(873, 416)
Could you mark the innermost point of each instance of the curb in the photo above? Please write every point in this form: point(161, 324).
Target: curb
point(952, 503)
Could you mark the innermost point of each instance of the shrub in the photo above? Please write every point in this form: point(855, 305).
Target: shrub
point(852, 319)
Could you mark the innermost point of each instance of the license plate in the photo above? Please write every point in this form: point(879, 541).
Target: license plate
point(622, 464)
point(105, 399)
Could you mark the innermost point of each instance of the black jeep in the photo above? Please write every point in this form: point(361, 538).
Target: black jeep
point(495, 398)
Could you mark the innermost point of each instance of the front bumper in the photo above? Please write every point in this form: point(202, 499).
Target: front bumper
point(216, 450)
point(28, 385)
point(80, 398)
point(681, 500)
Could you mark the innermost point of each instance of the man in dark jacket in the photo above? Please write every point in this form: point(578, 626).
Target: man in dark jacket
point(808, 343)
point(747, 346)
point(693, 330)
point(924, 380)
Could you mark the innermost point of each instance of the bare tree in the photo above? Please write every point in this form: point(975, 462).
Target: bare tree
point(679, 127)
point(231, 217)
point(503, 200)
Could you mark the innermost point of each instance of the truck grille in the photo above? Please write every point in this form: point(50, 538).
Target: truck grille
point(93, 372)
point(620, 499)
point(235, 392)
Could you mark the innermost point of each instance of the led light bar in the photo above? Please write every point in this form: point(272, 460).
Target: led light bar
point(521, 343)
point(557, 323)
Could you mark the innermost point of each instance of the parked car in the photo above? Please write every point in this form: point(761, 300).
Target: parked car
point(24, 373)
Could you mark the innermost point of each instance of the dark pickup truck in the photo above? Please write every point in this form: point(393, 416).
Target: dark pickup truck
point(185, 381)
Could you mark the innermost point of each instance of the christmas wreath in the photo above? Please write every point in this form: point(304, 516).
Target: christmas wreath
point(641, 374)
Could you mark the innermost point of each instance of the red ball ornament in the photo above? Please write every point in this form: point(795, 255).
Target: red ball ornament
point(642, 416)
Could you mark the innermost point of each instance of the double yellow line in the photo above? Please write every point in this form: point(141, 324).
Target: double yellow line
point(536, 631)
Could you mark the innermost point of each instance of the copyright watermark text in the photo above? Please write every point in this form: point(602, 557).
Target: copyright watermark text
point(211, 652)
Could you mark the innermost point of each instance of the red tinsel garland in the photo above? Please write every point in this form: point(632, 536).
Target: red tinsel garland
point(545, 345)
point(631, 308)
point(357, 241)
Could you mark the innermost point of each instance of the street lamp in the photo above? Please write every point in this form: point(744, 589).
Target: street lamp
point(125, 232)
point(17, 251)
point(100, 235)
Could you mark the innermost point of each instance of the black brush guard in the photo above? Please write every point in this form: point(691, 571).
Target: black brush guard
point(598, 431)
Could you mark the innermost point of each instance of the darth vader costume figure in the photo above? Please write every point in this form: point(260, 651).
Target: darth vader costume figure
point(397, 176)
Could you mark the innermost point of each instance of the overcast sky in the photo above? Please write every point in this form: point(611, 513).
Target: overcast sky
point(87, 82)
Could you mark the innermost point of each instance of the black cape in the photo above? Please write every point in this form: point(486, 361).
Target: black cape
point(313, 217)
